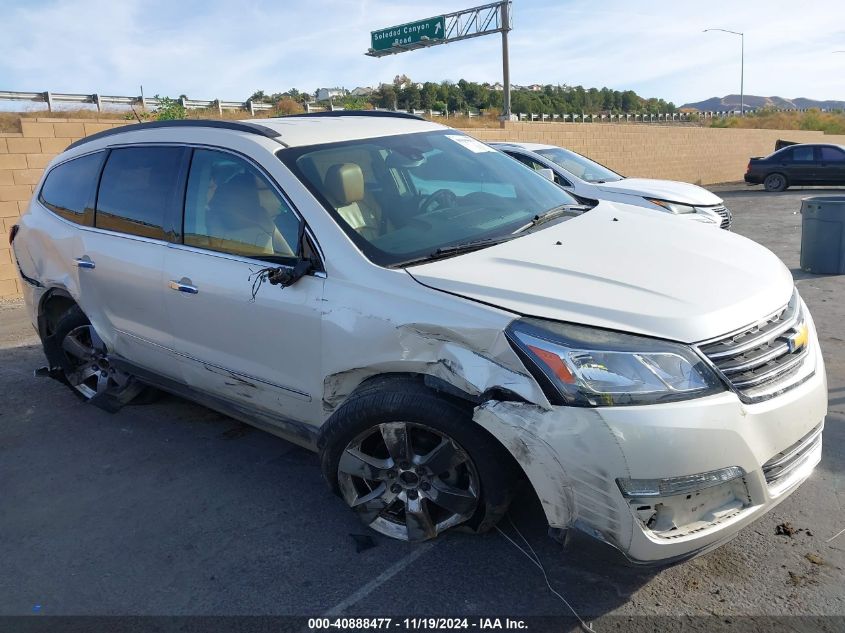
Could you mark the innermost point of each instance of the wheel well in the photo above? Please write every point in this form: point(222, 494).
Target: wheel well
point(439, 385)
point(442, 389)
point(777, 173)
point(53, 305)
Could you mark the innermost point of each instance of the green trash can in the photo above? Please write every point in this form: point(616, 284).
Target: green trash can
point(823, 235)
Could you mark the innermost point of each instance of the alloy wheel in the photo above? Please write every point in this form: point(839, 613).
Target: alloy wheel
point(88, 369)
point(408, 481)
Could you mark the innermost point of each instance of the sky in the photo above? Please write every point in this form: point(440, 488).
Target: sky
point(210, 49)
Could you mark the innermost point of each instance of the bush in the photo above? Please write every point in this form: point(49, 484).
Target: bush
point(816, 120)
point(288, 106)
point(169, 109)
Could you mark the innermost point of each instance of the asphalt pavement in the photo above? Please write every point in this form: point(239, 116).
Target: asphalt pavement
point(172, 509)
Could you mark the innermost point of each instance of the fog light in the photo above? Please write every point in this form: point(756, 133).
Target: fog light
point(677, 485)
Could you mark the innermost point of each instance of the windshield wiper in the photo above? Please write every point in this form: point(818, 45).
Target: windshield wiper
point(472, 245)
point(551, 214)
point(456, 249)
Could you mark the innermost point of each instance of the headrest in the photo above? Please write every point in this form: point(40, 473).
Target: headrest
point(235, 203)
point(345, 183)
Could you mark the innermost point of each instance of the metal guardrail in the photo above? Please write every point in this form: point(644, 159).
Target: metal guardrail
point(101, 101)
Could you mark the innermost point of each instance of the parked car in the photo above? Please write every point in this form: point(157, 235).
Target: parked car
point(436, 321)
point(588, 179)
point(798, 164)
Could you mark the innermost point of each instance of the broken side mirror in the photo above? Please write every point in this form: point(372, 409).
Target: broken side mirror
point(289, 275)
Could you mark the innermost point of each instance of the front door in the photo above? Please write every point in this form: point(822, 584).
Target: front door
point(251, 343)
point(831, 170)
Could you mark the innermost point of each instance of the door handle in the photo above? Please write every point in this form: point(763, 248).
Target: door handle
point(180, 286)
point(85, 262)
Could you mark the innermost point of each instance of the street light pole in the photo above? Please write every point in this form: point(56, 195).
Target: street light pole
point(741, 67)
point(506, 70)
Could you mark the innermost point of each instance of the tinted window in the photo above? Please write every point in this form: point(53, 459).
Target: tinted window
point(832, 154)
point(137, 188)
point(231, 207)
point(69, 188)
point(802, 154)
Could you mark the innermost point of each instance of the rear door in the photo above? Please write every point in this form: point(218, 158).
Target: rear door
point(253, 344)
point(122, 258)
point(831, 169)
point(799, 164)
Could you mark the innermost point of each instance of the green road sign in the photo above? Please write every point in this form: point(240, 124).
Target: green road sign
point(411, 33)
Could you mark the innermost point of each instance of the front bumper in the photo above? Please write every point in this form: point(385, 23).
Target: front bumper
point(573, 457)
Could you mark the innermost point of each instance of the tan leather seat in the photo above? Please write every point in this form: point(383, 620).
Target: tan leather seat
point(237, 223)
point(345, 188)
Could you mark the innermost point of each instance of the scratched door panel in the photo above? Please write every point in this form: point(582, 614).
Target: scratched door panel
point(261, 353)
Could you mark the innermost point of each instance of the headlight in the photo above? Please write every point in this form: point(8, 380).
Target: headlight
point(588, 367)
point(674, 207)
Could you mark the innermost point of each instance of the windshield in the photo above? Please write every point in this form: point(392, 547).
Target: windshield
point(579, 166)
point(401, 198)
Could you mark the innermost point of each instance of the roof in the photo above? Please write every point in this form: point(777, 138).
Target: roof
point(290, 131)
point(296, 131)
point(529, 146)
point(842, 147)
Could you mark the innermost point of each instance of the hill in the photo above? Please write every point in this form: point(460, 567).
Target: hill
point(732, 102)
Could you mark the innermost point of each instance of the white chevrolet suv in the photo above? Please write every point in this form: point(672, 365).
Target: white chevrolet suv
point(438, 322)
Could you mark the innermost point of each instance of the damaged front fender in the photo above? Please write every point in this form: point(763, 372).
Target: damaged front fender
point(472, 361)
point(568, 455)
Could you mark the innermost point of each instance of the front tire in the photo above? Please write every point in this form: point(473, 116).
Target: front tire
point(775, 182)
point(412, 463)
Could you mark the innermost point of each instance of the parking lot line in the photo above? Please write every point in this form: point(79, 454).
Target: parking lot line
point(382, 578)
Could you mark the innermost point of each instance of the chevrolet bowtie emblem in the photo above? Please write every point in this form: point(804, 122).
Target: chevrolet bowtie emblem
point(797, 339)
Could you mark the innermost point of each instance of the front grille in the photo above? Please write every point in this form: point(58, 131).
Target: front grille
point(763, 358)
point(725, 214)
point(779, 469)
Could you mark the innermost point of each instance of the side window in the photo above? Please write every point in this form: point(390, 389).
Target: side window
point(232, 208)
point(137, 188)
point(802, 154)
point(533, 164)
point(832, 155)
point(69, 188)
point(525, 160)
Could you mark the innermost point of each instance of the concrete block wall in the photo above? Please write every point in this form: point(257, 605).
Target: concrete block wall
point(699, 155)
point(692, 154)
point(23, 157)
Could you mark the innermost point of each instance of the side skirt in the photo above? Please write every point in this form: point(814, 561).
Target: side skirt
point(278, 425)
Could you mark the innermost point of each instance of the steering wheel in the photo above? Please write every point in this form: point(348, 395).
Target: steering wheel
point(444, 198)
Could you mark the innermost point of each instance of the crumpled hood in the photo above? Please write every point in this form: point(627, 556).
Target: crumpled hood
point(625, 271)
point(662, 189)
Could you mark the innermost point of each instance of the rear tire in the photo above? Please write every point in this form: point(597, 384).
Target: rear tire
point(775, 182)
point(81, 356)
point(413, 464)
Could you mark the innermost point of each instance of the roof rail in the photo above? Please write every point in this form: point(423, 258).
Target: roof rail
point(238, 126)
point(375, 113)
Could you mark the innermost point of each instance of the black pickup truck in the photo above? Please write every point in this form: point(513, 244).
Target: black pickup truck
point(799, 164)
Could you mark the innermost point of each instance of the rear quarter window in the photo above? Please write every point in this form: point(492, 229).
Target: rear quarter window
point(69, 188)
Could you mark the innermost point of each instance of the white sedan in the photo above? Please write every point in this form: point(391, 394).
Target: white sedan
point(592, 181)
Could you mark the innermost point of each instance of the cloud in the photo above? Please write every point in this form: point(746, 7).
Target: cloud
point(209, 49)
